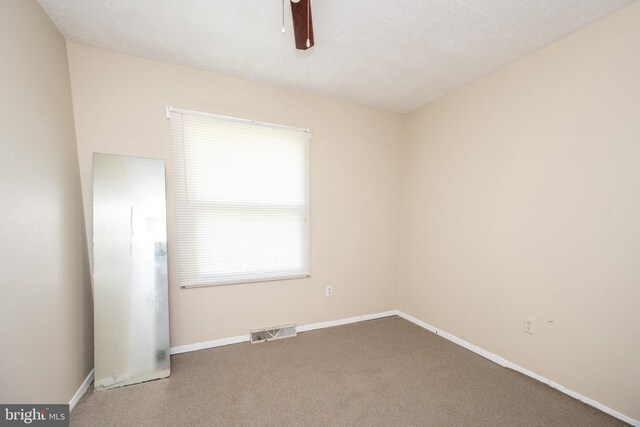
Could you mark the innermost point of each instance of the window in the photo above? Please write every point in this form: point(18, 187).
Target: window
point(242, 199)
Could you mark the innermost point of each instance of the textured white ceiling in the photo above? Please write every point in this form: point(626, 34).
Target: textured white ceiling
point(395, 55)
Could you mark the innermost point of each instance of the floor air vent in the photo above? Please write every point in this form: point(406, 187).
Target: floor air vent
point(273, 333)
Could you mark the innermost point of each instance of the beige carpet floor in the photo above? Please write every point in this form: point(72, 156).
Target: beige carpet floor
point(385, 372)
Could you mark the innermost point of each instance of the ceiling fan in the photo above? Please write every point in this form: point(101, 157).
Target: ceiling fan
point(302, 23)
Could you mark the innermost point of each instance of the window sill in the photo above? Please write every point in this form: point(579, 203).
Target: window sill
point(240, 281)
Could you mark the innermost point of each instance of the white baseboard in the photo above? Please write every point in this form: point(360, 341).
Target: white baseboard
point(507, 364)
point(83, 388)
point(304, 328)
point(332, 323)
point(209, 344)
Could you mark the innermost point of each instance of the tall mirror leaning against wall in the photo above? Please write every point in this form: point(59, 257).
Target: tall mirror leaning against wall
point(131, 315)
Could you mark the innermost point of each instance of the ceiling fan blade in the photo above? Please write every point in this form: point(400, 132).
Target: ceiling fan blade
point(302, 23)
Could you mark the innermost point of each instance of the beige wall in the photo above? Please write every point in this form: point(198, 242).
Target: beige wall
point(119, 104)
point(521, 197)
point(45, 305)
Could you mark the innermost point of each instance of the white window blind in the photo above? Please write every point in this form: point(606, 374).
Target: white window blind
point(242, 199)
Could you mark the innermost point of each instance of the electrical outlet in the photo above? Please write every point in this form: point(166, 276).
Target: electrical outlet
point(328, 291)
point(528, 325)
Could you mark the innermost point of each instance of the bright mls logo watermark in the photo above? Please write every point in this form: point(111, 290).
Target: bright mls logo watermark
point(34, 415)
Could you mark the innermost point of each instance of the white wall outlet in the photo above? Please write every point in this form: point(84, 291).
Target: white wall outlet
point(328, 291)
point(528, 325)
